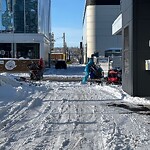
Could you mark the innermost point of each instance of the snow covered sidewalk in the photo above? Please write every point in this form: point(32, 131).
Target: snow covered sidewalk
point(70, 116)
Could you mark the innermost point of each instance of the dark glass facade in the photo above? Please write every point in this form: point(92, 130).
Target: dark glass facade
point(25, 16)
point(19, 16)
point(136, 49)
point(102, 2)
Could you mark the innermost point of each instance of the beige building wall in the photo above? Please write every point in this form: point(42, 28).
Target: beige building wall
point(97, 29)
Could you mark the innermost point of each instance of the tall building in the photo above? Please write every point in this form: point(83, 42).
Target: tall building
point(97, 26)
point(134, 25)
point(25, 27)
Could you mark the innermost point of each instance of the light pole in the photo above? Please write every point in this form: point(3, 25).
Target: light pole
point(64, 43)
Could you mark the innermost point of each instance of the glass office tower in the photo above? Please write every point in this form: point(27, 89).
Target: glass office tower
point(25, 16)
point(25, 26)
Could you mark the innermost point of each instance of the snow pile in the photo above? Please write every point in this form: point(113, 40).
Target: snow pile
point(8, 80)
point(11, 89)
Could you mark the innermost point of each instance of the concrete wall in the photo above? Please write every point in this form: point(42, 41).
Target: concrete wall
point(127, 66)
point(98, 21)
point(136, 18)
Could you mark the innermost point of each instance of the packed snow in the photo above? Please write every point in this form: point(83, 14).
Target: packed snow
point(61, 115)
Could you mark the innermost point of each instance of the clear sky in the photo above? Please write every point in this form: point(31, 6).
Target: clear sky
point(67, 17)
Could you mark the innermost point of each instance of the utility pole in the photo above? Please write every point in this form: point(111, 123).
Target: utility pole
point(51, 47)
point(64, 45)
point(52, 41)
point(81, 49)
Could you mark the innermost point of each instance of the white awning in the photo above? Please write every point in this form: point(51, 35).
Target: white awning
point(117, 25)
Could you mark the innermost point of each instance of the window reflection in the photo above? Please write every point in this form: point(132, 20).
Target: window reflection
point(19, 16)
point(6, 16)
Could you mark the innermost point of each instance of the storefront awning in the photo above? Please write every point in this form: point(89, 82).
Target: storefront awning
point(117, 26)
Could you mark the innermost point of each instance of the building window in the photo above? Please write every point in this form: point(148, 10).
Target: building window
point(126, 51)
point(126, 38)
point(113, 52)
point(28, 50)
point(19, 16)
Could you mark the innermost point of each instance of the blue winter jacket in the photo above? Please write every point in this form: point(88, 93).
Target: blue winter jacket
point(89, 64)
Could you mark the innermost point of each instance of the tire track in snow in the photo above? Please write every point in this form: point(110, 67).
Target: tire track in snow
point(81, 110)
point(108, 124)
point(78, 124)
point(61, 110)
point(81, 120)
point(74, 123)
point(49, 117)
point(138, 139)
point(115, 134)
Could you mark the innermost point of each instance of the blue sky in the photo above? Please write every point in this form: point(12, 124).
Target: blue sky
point(67, 17)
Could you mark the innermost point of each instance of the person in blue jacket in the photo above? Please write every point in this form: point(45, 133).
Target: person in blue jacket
point(87, 70)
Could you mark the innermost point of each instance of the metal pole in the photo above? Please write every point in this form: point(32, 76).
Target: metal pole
point(24, 16)
point(64, 45)
point(12, 45)
point(108, 62)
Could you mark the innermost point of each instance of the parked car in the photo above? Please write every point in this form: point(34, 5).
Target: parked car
point(60, 64)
